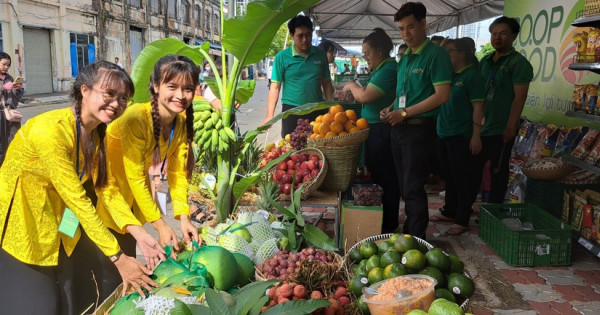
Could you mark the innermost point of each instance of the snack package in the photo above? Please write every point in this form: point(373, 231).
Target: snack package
point(550, 143)
point(516, 189)
point(585, 144)
point(579, 200)
point(566, 207)
point(580, 40)
point(594, 154)
point(536, 147)
point(567, 142)
point(583, 132)
point(592, 42)
point(579, 97)
point(592, 99)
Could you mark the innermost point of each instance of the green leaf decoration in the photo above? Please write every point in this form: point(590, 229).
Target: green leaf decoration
point(315, 237)
point(248, 37)
point(199, 309)
point(279, 207)
point(292, 235)
point(241, 186)
point(297, 307)
point(257, 307)
point(144, 63)
point(216, 303)
point(248, 294)
point(243, 91)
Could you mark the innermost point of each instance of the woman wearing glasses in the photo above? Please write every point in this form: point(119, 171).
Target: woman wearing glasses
point(48, 166)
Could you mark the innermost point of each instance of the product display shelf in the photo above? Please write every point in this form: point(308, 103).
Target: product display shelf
point(587, 21)
point(581, 164)
point(583, 115)
point(592, 247)
point(590, 66)
point(593, 21)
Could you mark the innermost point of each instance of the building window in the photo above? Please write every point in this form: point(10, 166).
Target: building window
point(197, 16)
point(1, 42)
point(135, 3)
point(82, 51)
point(186, 12)
point(207, 21)
point(172, 11)
point(155, 6)
point(217, 24)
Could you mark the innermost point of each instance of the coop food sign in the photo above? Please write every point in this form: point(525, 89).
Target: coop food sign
point(546, 39)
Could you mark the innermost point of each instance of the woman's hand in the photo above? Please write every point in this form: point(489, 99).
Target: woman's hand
point(135, 274)
point(189, 231)
point(151, 249)
point(475, 145)
point(166, 235)
point(348, 86)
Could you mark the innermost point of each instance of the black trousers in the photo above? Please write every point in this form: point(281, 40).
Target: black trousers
point(89, 259)
point(380, 162)
point(30, 289)
point(288, 125)
point(498, 153)
point(462, 172)
point(411, 149)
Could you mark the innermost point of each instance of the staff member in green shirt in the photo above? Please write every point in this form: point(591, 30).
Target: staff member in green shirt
point(424, 76)
point(379, 93)
point(459, 128)
point(507, 75)
point(304, 72)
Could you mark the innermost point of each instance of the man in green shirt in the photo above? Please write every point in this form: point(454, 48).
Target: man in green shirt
point(303, 70)
point(507, 76)
point(424, 76)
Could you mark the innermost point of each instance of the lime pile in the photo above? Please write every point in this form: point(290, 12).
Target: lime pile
point(400, 255)
point(441, 307)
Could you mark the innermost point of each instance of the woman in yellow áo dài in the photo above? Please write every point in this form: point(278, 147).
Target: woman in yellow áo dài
point(151, 134)
point(43, 199)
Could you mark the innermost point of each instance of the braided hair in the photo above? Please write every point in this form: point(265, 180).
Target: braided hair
point(165, 70)
point(109, 75)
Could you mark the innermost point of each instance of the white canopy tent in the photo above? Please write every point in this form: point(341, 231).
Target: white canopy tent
point(350, 21)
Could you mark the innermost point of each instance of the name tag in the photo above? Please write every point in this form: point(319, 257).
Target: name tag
point(402, 101)
point(490, 93)
point(69, 223)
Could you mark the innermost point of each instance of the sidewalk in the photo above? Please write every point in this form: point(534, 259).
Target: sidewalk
point(44, 99)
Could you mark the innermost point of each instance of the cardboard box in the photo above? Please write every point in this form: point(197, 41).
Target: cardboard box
point(358, 223)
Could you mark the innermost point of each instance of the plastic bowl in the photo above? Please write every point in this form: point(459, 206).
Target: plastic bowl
point(420, 300)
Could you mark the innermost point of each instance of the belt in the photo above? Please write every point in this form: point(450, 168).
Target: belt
point(420, 121)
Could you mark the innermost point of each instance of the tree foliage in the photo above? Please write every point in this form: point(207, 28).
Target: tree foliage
point(485, 50)
point(278, 41)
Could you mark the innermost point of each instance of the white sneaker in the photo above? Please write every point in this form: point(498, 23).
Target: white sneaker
point(442, 193)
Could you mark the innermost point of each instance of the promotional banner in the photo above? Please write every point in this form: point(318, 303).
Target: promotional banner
point(546, 39)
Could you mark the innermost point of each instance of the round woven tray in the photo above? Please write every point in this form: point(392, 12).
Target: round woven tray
point(342, 163)
point(383, 237)
point(340, 141)
point(553, 173)
point(259, 276)
point(316, 183)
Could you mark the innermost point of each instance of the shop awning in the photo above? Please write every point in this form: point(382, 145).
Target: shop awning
point(350, 21)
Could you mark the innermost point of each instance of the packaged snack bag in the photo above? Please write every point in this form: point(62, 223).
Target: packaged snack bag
point(579, 97)
point(592, 99)
point(585, 144)
point(580, 40)
point(592, 42)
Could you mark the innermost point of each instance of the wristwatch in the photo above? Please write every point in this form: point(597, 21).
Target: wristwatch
point(115, 257)
point(403, 113)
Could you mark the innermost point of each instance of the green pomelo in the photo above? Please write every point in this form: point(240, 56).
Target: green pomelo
point(221, 265)
point(245, 269)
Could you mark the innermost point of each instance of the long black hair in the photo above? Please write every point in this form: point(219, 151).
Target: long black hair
point(166, 69)
point(109, 75)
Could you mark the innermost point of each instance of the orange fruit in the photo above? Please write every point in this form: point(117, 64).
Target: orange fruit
point(336, 109)
point(362, 124)
point(312, 123)
point(316, 127)
point(340, 117)
point(331, 134)
point(343, 133)
point(327, 118)
point(324, 128)
point(319, 136)
point(351, 114)
point(336, 127)
point(313, 135)
point(319, 118)
point(354, 129)
point(349, 125)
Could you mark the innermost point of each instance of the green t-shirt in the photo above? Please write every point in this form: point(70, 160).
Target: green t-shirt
point(419, 72)
point(456, 116)
point(300, 76)
point(510, 70)
point(383, 79)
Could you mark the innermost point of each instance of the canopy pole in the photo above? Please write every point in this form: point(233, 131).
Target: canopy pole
point(457, 24)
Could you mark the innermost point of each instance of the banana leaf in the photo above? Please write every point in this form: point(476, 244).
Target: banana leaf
point(297, 307)
point(243, 90)
point(248, 294)
point(144, 63)
point(317, 238)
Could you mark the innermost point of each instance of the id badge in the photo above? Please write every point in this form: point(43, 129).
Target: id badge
point(490, 93)
point(402, 102)
point(69, 223)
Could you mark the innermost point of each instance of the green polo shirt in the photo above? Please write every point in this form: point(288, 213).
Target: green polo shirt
point(510, 70)
point(382, 79)
point(300, 76)
point(456, 116)
point(419, 72)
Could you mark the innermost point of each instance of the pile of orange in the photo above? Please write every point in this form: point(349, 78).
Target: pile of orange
point(337, 122)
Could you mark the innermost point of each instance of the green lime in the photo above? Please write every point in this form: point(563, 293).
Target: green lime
point(375, 275)
point(394, 237)
point(363, 263)
point(456, 265)
point(394, 270)
point(373, 262)
point(459, 284)
point(444, 294)
point(390, 257)
point(404, 243)
point(444, 307)
point(355, 255)
point(368, 249)
point(437, 258)
point(363, 307)
point(417, 312)
point(356, 284)
point(414, 259)
point(361, 272)
point(436, 274)
point(384, 246)
point(354, 269)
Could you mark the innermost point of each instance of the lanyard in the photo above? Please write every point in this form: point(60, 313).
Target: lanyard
point(501, 63)
point(169, 144)
point(411, 58)
point(77, 156)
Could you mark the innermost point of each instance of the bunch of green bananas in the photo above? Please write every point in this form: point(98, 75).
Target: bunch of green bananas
point(209, 131)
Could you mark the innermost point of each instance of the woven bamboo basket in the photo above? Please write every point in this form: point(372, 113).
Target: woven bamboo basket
point(340, 141)
point(384, 237)
point(316, 183)
point(553, 173)
point(342, 163)
point(259, 276)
